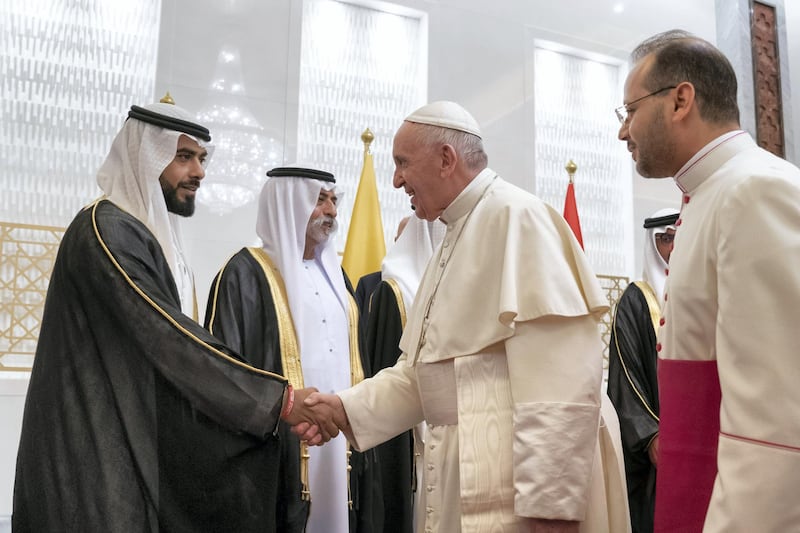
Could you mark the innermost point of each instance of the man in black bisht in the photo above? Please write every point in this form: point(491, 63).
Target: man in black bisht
point(137, 419)
point(632, 378)
point(288, 306)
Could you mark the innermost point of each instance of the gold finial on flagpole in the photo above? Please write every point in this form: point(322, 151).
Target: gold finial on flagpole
point(167, 99)
point(367, 137)
point(571, 168)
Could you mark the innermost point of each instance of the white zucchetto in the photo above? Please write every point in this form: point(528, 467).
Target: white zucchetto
point(446, 114)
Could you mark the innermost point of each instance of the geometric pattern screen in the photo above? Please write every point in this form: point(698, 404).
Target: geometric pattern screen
point(70, 71)
point(27, 254)
point(574, 105)
point(613, 286)
point(359, 68)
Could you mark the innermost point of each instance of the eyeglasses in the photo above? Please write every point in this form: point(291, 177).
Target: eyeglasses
point(665, 238)
point(623, 112)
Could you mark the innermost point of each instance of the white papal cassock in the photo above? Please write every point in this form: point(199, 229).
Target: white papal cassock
point(503, 360)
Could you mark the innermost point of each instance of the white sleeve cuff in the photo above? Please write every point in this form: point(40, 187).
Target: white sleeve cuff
point(554, 450)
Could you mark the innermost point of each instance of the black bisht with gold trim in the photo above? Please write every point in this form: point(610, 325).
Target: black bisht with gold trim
point(137, 419)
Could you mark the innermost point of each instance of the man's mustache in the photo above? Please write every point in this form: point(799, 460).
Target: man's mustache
point(322, 221)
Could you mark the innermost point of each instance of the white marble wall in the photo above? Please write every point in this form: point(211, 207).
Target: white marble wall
point(733, 38)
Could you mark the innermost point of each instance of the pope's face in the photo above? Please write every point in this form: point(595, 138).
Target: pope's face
point(181, 178)
point(417, 171)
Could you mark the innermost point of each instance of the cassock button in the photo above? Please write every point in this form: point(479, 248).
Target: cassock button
point(666, 272)
point(665, 296)
point(430, 466)
point(686, 198)
point(442, 264)
point(658, 347)
point(661, 322)
point(429, 510)
point(429, 488)
point(446, 244)
point(678, 222)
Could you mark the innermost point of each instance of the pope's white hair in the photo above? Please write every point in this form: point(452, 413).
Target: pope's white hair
point(468, 146)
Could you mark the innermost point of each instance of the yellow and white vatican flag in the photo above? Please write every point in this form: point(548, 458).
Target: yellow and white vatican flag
point(365, 246)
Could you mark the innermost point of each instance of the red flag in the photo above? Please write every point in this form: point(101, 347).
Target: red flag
point(571, 213)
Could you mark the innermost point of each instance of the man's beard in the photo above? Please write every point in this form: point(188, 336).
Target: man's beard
point(319, 233)
point(659, 151)
point(184, 208)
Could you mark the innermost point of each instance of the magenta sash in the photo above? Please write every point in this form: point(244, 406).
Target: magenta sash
point(689, 395)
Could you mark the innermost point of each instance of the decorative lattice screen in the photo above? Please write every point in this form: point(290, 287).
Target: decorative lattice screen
point(27, 254)
point(614, 286)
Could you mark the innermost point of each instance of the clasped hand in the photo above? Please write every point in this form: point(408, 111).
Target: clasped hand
point(315, 417)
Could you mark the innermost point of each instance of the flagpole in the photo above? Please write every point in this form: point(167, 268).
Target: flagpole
point(365, 246)
point(367, 137)
point(570, 205)
point(571, 168)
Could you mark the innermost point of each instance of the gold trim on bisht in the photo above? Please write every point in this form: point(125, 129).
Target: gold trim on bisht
point(356, 376)
point(652, 304)
point(290, 349)
point(356, 368)
point(162, 311)
point(195, 309)
point(290, 352)
point(401, 306)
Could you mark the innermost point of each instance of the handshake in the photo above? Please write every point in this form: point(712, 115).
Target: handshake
point(315, 417)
